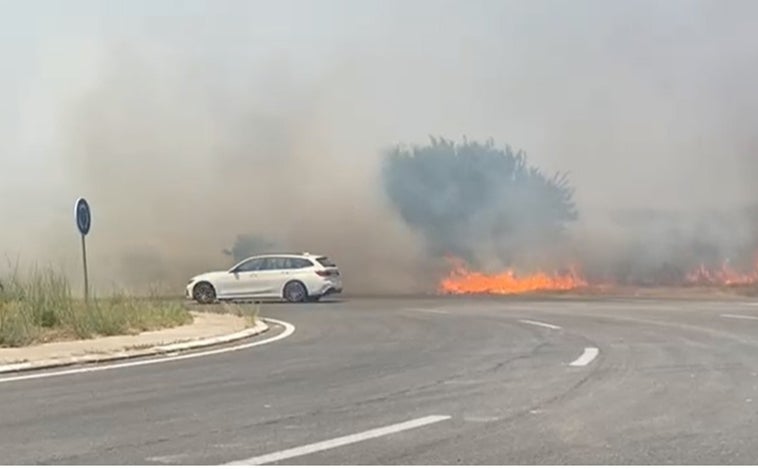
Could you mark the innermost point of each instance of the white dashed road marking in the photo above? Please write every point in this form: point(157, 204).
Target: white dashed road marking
point(739, 316)
point(540, 324)
point(590, 353)
point(337, 442)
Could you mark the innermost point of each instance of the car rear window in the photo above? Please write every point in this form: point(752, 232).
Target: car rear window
point(326, 262)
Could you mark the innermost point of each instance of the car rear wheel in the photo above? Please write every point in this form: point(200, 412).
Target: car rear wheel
point(204, 293)
point(295, 292)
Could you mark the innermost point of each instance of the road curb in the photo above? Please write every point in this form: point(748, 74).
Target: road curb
point(259, 328)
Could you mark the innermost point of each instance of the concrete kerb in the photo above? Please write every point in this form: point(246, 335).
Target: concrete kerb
point(259, 328)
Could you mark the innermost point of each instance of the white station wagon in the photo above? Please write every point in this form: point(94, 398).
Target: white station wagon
point(291, 277)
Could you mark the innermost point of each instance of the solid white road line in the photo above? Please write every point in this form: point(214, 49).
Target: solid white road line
point(289, 329)
point(336, 442)
point(739, 316)
point(590, 353)
point(541, 324)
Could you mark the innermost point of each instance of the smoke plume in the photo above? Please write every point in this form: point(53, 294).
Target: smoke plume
point(189, 124)
point(179, 169)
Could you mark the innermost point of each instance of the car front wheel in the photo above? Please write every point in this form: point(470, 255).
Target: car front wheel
point(204, 293)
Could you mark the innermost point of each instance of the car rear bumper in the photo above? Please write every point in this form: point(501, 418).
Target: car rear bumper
point(329, 288)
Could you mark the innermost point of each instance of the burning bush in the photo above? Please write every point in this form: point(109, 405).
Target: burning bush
point(499, 222)
point(462, 281)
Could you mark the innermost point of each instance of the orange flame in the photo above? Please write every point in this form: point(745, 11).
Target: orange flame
point(725, 275)
point(462, 281)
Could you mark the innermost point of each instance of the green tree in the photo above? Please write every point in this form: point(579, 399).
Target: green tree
point(461, 196)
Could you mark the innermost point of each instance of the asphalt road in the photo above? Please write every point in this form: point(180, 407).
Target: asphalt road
point(421, 381)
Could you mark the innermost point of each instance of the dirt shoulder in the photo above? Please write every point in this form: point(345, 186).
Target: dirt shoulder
point(670, 293)
point(203, 326)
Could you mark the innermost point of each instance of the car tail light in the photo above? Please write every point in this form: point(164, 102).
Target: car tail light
point(328, 273)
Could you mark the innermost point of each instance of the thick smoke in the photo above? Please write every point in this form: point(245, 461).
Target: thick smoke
point(200, 122)
point(661, 247)
point(177, 169)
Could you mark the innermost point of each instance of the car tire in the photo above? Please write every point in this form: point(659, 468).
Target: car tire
point(295, 292)
point(204, 293)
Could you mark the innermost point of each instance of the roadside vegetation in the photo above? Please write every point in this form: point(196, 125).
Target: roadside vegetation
point(250, 311)
point(39, 307)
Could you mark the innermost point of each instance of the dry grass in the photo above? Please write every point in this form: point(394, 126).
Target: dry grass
point(251, 312)
point(39, 307)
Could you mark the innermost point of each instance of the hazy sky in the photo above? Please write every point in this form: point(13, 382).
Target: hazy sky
point(645, 103)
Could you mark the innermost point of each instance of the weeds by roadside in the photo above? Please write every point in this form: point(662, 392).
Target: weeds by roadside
point(40, 307)
point(251, 312)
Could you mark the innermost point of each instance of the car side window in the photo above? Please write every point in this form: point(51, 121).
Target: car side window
point(251, 265)
point(296, 263)
point(283, 263)
point(275, 263)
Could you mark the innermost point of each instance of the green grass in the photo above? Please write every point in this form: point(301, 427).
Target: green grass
point(40, 307)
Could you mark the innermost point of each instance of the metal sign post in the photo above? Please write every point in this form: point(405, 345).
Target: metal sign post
point(84, 223)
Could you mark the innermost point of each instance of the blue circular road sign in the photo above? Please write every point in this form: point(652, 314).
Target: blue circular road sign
point(83, 216)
